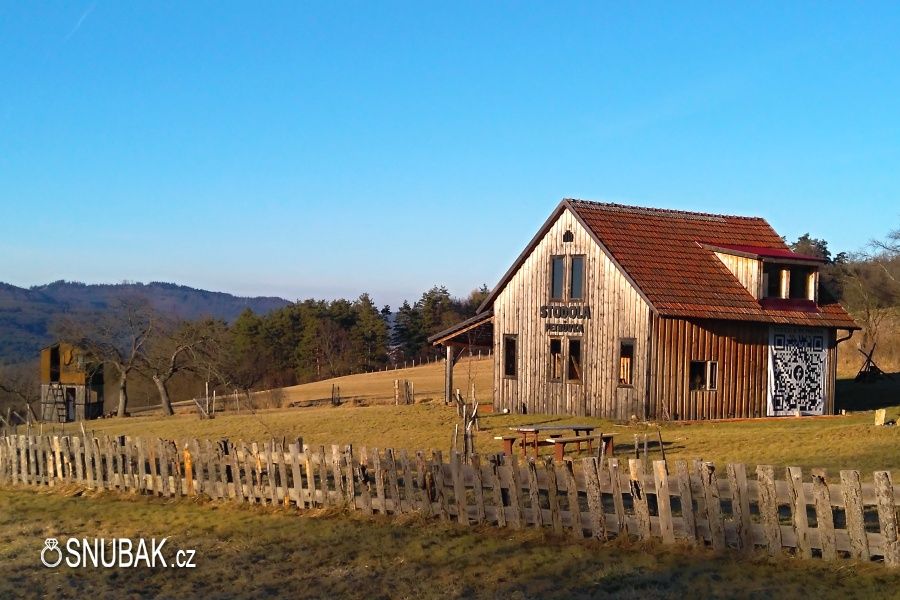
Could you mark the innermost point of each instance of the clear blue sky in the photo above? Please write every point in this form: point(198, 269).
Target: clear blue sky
point(324, 150)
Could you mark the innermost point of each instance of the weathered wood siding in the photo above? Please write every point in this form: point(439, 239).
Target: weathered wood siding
point(618, 311)
point(747, 270)
point(741, 349)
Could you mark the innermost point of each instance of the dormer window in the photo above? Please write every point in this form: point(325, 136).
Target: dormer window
point(789, 282)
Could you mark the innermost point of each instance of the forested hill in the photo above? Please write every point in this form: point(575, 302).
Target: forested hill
point(27, 314)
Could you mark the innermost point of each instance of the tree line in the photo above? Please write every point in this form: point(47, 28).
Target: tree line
point(305, 341)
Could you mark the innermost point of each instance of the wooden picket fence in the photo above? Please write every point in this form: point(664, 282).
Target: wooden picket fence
point(803, 513)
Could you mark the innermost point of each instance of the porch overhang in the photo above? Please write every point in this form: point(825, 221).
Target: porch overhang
point(475, 332)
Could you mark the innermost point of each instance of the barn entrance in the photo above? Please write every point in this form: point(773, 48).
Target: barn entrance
point(797, 371)
point(70, 404)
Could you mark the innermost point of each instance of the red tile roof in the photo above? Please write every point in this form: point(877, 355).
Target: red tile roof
point(760, 252)
point(663, 253)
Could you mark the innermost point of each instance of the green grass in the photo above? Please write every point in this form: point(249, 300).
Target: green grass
point(250, 552)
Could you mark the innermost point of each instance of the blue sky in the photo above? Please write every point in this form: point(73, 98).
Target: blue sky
point(333, 148)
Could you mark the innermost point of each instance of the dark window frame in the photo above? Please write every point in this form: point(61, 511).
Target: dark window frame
point(623, 342)
point(571, 272)
point(514, 338)
point(568, 362)
point(709, 381)
point(562, 288)
point(551, 364)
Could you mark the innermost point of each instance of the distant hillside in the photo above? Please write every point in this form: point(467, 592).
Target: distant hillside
point(26, 315)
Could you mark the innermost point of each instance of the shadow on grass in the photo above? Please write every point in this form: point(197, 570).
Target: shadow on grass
point(856, 396)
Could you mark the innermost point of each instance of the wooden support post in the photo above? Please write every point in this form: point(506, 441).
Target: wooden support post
point(448, 375)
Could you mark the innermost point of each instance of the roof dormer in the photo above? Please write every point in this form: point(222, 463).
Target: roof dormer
point(777, 277)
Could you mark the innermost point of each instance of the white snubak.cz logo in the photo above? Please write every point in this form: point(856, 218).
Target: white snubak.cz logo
point(51, 555)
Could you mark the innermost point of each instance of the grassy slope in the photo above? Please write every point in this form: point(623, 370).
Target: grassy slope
point(245, 552)
point(830, 442)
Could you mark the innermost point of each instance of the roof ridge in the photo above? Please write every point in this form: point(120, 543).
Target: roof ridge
point(663, 211)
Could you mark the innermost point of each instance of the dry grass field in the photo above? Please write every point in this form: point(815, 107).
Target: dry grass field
point(253, 552)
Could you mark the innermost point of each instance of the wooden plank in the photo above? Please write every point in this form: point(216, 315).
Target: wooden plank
point(517, 515)
point(639, 497)
point(238, 486)
point(210, 485)
point(271, 484)
point(534, 494)
point(256, 486)
point(478, 488)
point(590, 467)
point(336, 473)
point(78, 457)
point(425, 484)
point(409, 489)
point(350, 477)
point(768, 507)
point(163, 466)
point(615, 482)
point(378, 472)
point(824, 515)
point(323, 476)
point(248, 463)
point(497, 493)
point(798, 511)
point(440, 496)
point(189, 488)
point(459, 488)
point(740, 505)
point(128, 463)
point(311, 477)
point(713, 505)
point(283, 474)
point(663, 501)
point(553, 494)
point(393, 480)
point(851, 492)
point(140, 446)
point(574, 505)
point(365, 490)
point(296, 491)
point(887, 518)
point(688, 517)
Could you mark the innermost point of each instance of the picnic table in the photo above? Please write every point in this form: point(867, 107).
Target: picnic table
point(552, 431)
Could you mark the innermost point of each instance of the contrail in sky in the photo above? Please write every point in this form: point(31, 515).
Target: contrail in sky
point(81, 19)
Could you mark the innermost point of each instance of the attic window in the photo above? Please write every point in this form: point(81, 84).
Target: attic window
point(568, 236)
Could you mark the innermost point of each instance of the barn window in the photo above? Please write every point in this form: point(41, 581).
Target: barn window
point(574, 369)
point(509, 356)
point(557, 277)
point(703, 375)
point(771, 281)
point(576, 281)
point(626, 362)
point(555, 359)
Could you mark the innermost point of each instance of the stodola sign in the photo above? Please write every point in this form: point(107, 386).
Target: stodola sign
point(575, 312)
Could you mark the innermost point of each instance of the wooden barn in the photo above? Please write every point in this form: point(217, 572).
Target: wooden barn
point(628, 312)
point(71, 386)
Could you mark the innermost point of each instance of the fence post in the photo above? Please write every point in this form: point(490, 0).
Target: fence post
point(639, 497)
point(663, 501)
point(534, 493)
point(188, 471)
point(798, 511)
point(740, 505)
point(589, 467)
point(824, 516)
point(887, 518)
point(713, 505)
point(553, 494)
point(572, 500)
point(615, 482)
point(851, 490)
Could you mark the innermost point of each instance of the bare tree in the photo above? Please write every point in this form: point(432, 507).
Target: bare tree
point(116, 337)
point(19, 384)
point(170, 350)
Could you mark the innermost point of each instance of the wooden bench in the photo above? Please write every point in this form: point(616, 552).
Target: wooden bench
point(559, 443)
point(508, 441)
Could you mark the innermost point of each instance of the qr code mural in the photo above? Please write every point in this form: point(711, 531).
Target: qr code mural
point(797, 370)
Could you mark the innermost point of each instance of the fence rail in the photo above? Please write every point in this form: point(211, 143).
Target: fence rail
point(802, 512)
